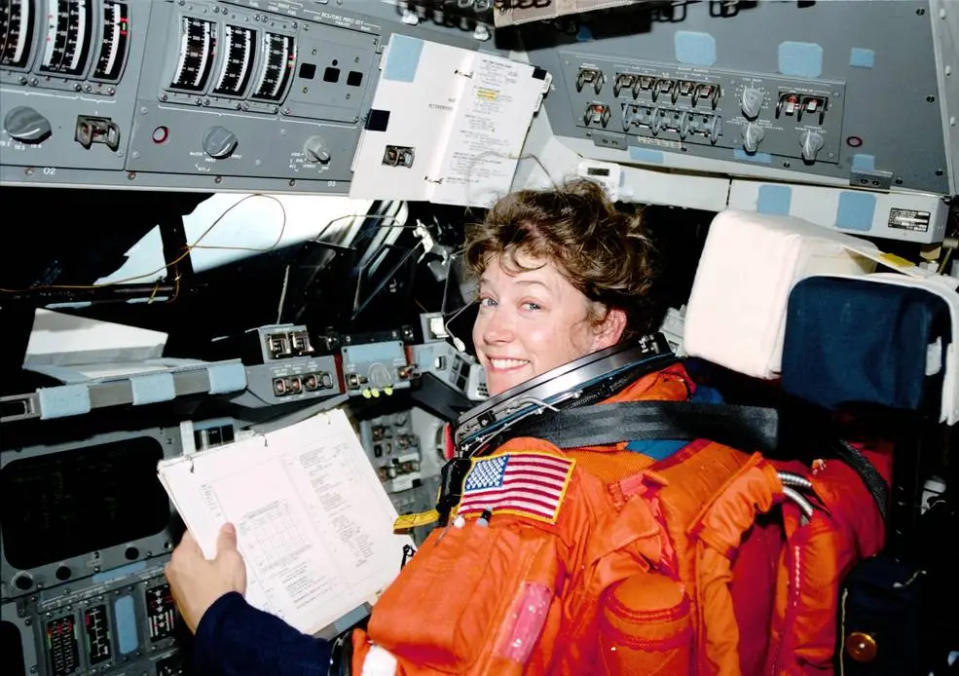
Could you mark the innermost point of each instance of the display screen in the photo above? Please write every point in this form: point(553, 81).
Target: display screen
point(63, 504)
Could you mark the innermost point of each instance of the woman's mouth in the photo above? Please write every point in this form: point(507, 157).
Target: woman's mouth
point(499, 364)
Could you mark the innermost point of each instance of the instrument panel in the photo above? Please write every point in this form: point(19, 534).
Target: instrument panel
point(204, 95)
point(272, 96)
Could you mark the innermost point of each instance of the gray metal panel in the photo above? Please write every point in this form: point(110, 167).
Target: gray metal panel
point(301, 142)
point(89, 563)
point(892, 106)
point(30, 617)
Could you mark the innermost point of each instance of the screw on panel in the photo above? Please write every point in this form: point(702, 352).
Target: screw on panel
point(163, 97)
point(292, 182)
point(939, 172)
point(930, 98)
point(218, 179)
point(787, 164)
point(131, 175)
point(920, 12)
point(28, 171)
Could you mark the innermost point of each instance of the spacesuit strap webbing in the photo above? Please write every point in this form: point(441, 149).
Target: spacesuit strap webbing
point(744, 427)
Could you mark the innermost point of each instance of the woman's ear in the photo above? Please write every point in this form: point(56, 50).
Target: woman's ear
point(608, 332)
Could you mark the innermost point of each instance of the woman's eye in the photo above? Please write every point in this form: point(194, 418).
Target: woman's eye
point(486, 301)
point(530, 305)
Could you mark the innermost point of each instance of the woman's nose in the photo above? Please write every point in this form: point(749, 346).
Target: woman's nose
point(498, 328)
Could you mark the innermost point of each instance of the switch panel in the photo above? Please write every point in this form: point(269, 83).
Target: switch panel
point(194, 94)
point(393, 449)
point(669, 106)
point(119, 622)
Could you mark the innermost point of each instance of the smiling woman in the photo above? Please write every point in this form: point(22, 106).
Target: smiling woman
point(562, 274)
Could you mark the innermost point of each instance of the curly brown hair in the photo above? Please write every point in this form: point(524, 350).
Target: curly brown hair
point(603, 252)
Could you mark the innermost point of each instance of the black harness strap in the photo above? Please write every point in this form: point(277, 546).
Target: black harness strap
point(745, 427)
point(870, 476)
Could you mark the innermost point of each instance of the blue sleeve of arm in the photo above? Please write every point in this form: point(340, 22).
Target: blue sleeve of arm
point(234, 638)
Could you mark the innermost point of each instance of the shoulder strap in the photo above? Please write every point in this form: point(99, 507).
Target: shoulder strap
point(746, 427)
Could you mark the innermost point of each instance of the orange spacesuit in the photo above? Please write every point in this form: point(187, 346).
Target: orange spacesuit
point(602, 560)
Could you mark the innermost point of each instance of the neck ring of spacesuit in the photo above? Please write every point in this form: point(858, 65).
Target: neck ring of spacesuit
point(572, 384)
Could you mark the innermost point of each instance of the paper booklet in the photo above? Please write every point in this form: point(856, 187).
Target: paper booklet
point(447, 124)
point(314, 524)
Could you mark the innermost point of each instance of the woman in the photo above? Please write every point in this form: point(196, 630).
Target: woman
point(562, 274)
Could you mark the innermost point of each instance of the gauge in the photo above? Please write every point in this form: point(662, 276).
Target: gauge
point(197, 42)
point(279, 58)
point(68, 37)
point(16, 28)
point(239, 50)
point(116, 31)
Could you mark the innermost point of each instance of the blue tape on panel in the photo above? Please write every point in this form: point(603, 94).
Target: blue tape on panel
point(63, 400)
point(863, 162)
point(761, 158)
point(862, 58)
point(802, 59)
point(774, 199)
point(645, 155)
point(117, 573)
point(694, 48)
point(126, 624)
point(855, 211)
point(584, 34)
point(403, 59)
point(152, 387)
point(226, 377)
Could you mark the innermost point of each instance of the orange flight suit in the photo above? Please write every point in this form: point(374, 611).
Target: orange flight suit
point(614, 563)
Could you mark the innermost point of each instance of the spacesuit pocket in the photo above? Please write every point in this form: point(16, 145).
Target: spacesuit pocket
point(645, 626)
point(445, 609)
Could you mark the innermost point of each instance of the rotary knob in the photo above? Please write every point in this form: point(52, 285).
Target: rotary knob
point(316, 150)
point(811, 142)
point(26, 125)
point(751, 102)
point(219, 142)
point(752, 136)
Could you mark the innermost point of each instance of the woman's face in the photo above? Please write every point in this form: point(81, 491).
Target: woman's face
point(534, 320)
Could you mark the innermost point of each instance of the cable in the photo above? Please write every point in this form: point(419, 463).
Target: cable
point(276, 242)
point(286, 281)
point(196, 245)
point(326, 227)
point(189, 248)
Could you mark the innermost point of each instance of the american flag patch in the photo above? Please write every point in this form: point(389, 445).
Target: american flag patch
point(527, 484)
